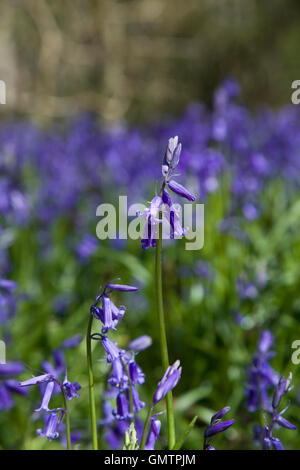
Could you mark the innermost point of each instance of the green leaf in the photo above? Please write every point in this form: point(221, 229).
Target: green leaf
point(182, 438)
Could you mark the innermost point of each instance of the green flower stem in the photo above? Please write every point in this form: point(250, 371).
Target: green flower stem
point(162, 331)
point(143, 441)
point(67, 419)
point(91, 384)
point(129, 391)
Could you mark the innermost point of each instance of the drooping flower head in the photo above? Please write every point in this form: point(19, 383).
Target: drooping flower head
point(53, 416)
point(216, 426)
point(162, 211)
point(168, 382)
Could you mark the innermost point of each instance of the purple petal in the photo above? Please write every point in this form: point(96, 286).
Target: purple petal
point(121, 287)
point(277, 445)
point(285, 423)
point(46, 398)
point(219, 427)
point(180, 190)
point(153, 434)
point(219, 415)
point(37, 380)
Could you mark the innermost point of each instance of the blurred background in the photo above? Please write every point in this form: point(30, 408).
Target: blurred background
point(94, 89)
point(137, 59)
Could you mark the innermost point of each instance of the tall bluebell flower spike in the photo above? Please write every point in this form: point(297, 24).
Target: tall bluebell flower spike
point(216, 426)
point(282, 388)
point(125, 374)
point(162, 213)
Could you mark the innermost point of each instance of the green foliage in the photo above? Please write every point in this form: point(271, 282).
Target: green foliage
point(213, 348)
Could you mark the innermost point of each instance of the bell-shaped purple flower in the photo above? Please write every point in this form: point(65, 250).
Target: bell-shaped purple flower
point(137, 403)
point(120, 287)
point(219, 415)
point(52, 425)
point(117, 313)
point(285, 423)
point(168, 382)
point(46, 397)
point(108, 322)
point(153, 433)
point(180, 190)
point(70, 388)
point(37, 380)
point(111, 349)
point(217, 428)
point(123, 410)
point(118, 377)
point(279, 392)
point(276, 444)
point(136, 374)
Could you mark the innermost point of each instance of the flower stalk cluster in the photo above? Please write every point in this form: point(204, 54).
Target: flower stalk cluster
point(160, 211)
point(125, 375)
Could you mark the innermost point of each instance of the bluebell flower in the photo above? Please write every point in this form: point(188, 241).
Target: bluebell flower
point(216, 426)
point(53, 416)
point(153, 433)
point(71, 388)
point(161, 209)
point(180, 190)
point(169, 380)
point(52, 425)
